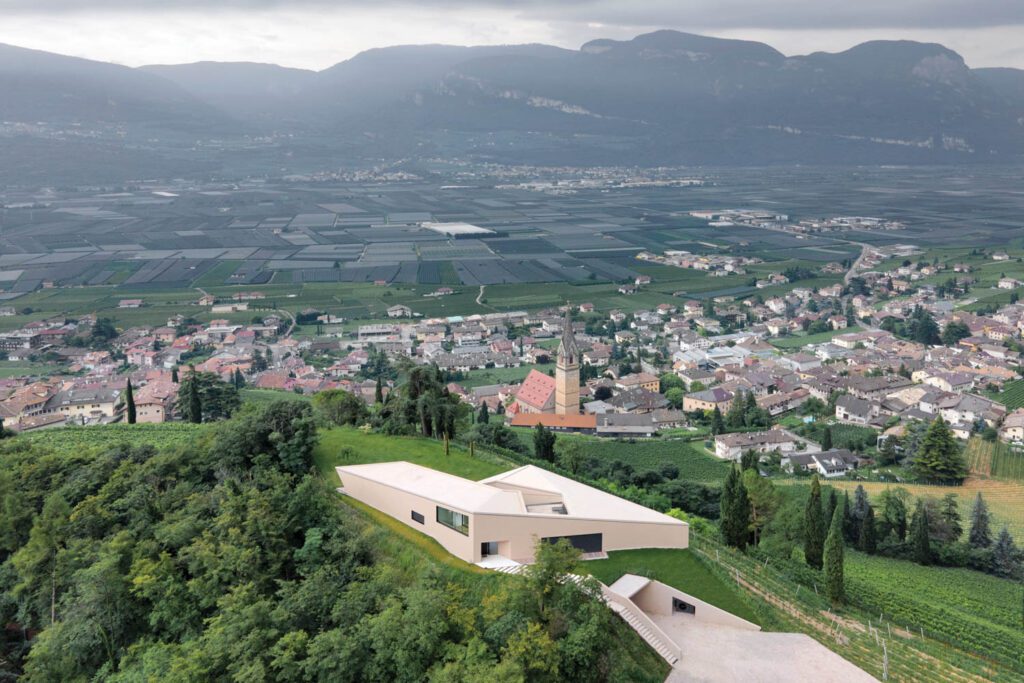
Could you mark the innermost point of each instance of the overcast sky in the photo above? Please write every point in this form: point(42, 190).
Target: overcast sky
point(318, 33)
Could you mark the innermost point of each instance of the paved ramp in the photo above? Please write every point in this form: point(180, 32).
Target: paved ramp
point(713, 653)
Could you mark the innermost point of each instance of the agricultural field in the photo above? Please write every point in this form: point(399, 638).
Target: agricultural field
point(1012, 395)
point(1005, 498)
point(165, 435)
point(972, 610)
point(994, 459)
point(680, 569)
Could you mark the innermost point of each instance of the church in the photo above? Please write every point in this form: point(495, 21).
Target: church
point(558, 395)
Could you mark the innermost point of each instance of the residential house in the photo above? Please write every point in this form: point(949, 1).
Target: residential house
point(505, 515)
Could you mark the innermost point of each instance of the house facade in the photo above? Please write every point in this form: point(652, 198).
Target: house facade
point(504, 516)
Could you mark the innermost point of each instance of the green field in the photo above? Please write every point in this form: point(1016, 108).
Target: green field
point(1005, 498)
point(365, 302)
point(1012, 395)
point(994, 459)
point(24, 369)
point(164, 435)
point(262, 396)
point(480, 378)
point(369, 447)
point(972, 610)
point(678, 568)
point(694, 463)
point(800, 341)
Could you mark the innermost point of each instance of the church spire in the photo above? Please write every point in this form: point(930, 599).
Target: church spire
point(568, 350)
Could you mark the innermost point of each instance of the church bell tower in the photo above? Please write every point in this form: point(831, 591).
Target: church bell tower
point(567, 372)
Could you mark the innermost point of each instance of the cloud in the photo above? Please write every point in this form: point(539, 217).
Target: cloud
point(695, 14)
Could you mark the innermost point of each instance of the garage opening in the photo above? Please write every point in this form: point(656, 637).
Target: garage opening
point(681, 607)
point(586, 543)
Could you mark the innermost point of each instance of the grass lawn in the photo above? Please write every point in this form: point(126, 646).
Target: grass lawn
point(797, 342)
point(425, 543)
point(678, 568)
point(20, 369)
point(486, 376)
point(694, 462)
point(264, 396)
point(367, 448)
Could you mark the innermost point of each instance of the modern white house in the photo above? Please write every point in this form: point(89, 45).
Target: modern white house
point(502, 517)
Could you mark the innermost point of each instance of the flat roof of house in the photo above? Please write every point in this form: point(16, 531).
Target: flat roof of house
point(502, 494)
point(446, 489)
point(579, 499)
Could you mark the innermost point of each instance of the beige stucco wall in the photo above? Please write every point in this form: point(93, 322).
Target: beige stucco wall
point(400, 505)
point(516, 534)
point(521, 531)
point(656, 598)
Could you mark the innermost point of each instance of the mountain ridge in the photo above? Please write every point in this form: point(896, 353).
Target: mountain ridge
point(661, 98)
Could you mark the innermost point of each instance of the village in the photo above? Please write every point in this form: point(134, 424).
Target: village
point(884, 351)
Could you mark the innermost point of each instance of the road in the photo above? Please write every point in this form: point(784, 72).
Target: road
point(852, 272)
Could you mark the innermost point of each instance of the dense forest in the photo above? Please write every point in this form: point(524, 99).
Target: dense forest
point(230, 559)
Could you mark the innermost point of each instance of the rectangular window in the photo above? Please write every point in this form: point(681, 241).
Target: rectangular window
point(417, 517)
point(453, 520)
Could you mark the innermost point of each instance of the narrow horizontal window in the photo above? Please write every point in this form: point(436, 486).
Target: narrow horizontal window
point(453, 520)
point(417, 517)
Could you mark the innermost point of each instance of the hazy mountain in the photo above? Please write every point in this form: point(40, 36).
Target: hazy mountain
point(683, 98)
point(661, 98)
point(262, 94)
point(1008, 82)
point(44, 87)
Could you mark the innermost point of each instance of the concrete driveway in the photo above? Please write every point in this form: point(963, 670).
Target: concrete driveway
point(722, 654)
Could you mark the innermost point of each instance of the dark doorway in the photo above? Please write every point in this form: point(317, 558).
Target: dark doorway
point(684, 607)
point(586, 543)
point(488, 548)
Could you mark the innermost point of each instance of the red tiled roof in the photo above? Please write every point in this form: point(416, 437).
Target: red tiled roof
point(555, 421)
point(536, 389)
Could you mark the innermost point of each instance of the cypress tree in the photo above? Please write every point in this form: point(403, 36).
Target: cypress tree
point(860, 503)
point(922, 550)
point(833, 560)
point(1004, 555)
point(826, 439)
point(483, 417)
point(814, 527)
point(129, 403)
point(378, 392)
point(736, 513)
point(725, 503)
point(830, 506)
point(980, 535)
point(868, 541)
point(195, 402)
point(850, 526)
point(717, 424)
point(174, 374)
